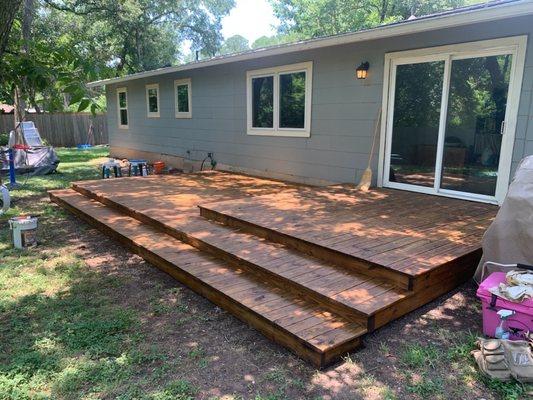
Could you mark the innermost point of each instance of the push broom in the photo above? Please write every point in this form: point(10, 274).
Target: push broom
point(366, 178)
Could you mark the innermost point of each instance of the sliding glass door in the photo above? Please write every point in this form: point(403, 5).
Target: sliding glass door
point(447, 121)
point(415, 126)
point(475, 123)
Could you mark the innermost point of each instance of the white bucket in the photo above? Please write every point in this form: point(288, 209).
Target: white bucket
point(24, 231)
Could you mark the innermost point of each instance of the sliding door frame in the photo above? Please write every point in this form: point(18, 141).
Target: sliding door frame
point(516, 46)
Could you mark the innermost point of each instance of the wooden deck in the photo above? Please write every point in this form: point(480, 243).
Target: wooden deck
point(312, 268)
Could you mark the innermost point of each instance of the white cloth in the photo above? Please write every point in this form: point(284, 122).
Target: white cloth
point(518, 286)
point(508, 239)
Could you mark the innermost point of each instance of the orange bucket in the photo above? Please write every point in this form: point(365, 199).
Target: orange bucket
point(159, 166)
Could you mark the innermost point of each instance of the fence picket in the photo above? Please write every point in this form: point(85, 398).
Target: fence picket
point(63, 129)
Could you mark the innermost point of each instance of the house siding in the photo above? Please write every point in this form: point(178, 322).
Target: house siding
point(343, 109)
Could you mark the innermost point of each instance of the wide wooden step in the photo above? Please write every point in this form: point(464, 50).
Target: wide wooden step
point(356, 296)
point(298, 323)
point(227, 215)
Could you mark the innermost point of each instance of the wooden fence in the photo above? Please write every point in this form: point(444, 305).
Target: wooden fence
point(63, 129)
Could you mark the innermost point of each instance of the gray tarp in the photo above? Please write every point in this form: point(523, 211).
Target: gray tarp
point(36, 160)
point(509, 239)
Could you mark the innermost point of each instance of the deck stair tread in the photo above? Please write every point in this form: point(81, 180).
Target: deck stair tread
point(362, 293)
point(354, 227)
point(302, 319)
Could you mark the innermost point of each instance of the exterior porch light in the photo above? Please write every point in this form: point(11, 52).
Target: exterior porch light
point(362, 70)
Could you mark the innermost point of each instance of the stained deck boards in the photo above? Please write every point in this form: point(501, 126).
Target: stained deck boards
point(306, 327)
point(313, 268)
point(351, 294)
point(406, 232)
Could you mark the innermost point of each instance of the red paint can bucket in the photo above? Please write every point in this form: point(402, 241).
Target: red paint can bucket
point(159, 166)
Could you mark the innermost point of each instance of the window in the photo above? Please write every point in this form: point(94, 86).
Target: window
point(152, 100)
point(182, 95)
point(279, 100)
point(122, 107)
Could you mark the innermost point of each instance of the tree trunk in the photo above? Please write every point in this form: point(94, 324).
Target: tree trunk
point(19, 112)
point(7, 15)
point(27, 22)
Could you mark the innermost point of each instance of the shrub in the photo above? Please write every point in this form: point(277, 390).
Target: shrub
point(4, 138)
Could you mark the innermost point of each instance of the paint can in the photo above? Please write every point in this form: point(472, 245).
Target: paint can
point(23, 231)
point(159, 167)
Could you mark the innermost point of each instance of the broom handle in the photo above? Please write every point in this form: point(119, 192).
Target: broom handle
point(374, 138)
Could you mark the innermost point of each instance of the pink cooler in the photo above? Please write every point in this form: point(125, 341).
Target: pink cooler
point(519, 323)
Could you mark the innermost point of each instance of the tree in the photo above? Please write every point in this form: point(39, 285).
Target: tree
point(7, 15)
point(60, 44)
point(234, 44)
point(314, 18)
point(265, 41)
point(146, 34)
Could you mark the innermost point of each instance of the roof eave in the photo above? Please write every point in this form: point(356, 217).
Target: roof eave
point(414, 26)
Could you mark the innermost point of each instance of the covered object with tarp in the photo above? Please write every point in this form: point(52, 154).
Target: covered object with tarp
point(509, 239)
point(29, 152)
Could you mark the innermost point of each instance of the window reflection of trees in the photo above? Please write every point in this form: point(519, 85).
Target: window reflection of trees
point(292, 100)
point(263, 102)
point(476, 111)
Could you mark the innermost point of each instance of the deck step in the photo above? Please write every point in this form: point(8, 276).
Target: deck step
point(228, 215)
point(300, 324)
point(355, 296)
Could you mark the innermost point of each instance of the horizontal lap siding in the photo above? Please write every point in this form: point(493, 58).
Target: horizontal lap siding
point(343, 110)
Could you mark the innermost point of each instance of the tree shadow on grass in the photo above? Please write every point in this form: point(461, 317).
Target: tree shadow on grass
point(73, 338)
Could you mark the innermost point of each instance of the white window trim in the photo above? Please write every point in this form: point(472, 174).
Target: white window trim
point(515, 45)
point(306, 67)
point(182, 82)
point(122, 90)
point(148, 113)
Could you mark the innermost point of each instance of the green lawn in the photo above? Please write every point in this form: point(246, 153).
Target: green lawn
point(62, 334)
point(81, 318)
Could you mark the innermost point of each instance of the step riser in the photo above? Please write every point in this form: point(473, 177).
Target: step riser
point(463, 271)
point(332, 305)
point(323, 253)
point(266, 327)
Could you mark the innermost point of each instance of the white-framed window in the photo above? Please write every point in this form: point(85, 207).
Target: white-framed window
point(122, 108)
point(152, 100)
point(279, 100)
point(182, 98)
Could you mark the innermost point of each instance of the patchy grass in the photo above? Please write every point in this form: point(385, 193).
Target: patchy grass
point(81, 318)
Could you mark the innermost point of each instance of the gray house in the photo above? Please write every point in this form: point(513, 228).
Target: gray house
point(451, 92)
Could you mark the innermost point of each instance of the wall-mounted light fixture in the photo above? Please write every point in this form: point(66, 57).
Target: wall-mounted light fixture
point(362, 71)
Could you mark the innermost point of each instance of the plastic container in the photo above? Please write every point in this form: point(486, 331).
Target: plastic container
point(159, 166)
point(521, 321)
point(23, 231)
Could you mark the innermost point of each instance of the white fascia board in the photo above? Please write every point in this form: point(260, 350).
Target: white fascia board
point(467, 17)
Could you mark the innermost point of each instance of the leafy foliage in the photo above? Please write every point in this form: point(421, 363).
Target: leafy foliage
point(265, 41)
point(313, 18)
point(138, 35)
point(59, 45)
point(235, 44)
